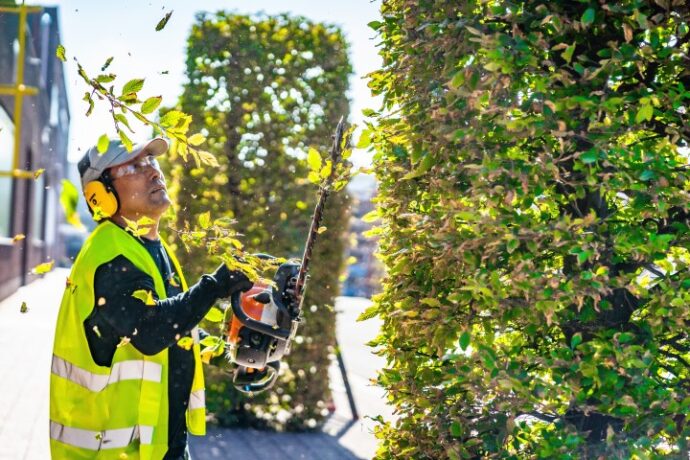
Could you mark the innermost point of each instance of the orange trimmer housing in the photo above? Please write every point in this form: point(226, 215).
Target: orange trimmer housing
point(251, 307)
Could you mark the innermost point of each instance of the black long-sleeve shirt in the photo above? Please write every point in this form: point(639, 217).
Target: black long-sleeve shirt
point(152, 329)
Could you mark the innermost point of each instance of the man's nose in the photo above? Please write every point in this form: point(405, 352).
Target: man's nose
point(153, 172)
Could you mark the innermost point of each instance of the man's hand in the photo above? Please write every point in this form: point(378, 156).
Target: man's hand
point(238, 282)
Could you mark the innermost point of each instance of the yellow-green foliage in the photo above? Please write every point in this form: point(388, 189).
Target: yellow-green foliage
point(534, 222)
point(263, 91)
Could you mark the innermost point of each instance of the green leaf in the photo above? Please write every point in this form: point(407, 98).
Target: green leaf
point(465, 338)
point(69, 197)
point(133, 86)
point(314, 177)
point(162, 23)
point(186, 343)
point(214, 315)
point(145, 220)
point(431, 301)
point(103, 143)
point(625, 337)
point(375, 25)
point(314, 160)
point(210, 340)
point(583, 256)
point(364, 139)
point(588, 16)
point(151, 104)
point(126, 141)
point(196, 139)
point(511, 245)
point(590, 156)
point(369, 313)
point(171, 118)
point(205, 220)
point(644, 113)
point(458, 79)
point(208, 159)
point(87, 98)
point(326, 170)
point(141, 118)
point(105, 78)
point(60, 53)
point(455, 430)
point(424, 166)
point(23, 308)
point(122, 119)
point(647, 175)
point(575, 340)
point(145, 296)
point(43, 268)
point(371, 216)
point(568, 53)
point(107, 64)
point(82, 74)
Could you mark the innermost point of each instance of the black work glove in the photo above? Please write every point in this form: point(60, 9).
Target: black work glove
point(230, 282)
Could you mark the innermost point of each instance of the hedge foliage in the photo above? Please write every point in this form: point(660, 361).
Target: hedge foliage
point(533, 168)
point(263, 91)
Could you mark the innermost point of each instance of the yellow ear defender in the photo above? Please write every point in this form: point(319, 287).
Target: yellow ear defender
point(101, 199)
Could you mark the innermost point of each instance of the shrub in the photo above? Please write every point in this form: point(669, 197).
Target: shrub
point(263, 90)
point(533, 168)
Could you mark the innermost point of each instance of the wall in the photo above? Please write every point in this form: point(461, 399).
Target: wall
point(34, 208)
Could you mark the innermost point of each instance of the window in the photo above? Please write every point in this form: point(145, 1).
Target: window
point(6, 156)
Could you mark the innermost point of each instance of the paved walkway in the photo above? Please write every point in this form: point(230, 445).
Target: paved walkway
point(25, 349)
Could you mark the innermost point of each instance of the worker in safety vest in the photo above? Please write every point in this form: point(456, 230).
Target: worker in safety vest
point(121, 387)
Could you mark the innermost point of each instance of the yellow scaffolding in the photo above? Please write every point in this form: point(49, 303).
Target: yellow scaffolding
point(19, 89)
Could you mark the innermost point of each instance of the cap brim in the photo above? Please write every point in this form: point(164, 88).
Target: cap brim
point(157, 146)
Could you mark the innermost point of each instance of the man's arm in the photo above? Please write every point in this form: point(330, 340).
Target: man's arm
point(152, 328)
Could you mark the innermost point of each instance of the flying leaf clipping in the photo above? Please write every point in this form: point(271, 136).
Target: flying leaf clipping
point(164, 21)
point(145, 296)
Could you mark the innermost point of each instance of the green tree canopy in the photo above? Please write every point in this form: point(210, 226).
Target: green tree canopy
point(533, 164)
point(263, 91)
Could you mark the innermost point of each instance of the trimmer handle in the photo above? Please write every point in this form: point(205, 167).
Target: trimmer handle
point(250, 380)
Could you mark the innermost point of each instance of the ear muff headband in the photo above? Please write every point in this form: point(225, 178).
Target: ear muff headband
point(101, 199)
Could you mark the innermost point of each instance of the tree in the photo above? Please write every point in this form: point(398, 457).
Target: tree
point(264, 91)
point(533, 168)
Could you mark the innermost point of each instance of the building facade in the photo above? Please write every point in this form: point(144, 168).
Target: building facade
point(30, 205)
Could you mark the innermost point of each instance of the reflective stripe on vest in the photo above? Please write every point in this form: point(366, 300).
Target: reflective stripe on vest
point(197, 400)
point(123, 370)
point(100, 440)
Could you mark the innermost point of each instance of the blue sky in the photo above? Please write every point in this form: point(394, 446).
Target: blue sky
point(94, 30)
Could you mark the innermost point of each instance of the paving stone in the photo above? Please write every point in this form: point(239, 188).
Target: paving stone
point(26, 341)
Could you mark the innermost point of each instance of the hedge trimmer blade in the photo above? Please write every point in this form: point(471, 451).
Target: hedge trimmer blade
point(317, 217)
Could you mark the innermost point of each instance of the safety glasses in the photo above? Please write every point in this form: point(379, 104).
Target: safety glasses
point(135, 167)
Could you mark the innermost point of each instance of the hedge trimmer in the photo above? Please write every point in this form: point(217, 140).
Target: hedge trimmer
point(265, 319)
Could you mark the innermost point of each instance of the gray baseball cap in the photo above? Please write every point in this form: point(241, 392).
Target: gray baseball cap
point(93, 163)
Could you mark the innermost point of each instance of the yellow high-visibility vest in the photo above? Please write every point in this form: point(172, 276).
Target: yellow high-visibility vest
point(120, 411)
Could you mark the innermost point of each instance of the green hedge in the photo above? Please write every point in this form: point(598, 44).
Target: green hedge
point(263, 90)
point(533, 168)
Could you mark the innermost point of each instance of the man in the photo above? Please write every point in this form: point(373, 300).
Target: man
point(121, 386)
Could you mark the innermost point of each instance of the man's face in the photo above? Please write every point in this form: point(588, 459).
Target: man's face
point(140, 187)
